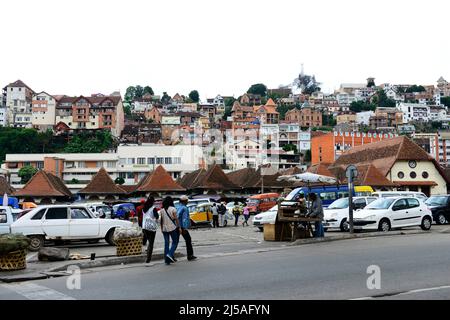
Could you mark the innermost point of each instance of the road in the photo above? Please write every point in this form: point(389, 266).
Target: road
point(334, 270)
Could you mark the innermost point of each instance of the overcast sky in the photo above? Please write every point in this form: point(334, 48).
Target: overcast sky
point(219, 46)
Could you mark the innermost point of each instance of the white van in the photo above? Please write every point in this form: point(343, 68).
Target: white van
point(389, 194)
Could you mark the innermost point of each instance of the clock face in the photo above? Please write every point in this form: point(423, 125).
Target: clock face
point(412, 164)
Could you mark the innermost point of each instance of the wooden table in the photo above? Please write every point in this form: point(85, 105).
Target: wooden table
point(287, 215)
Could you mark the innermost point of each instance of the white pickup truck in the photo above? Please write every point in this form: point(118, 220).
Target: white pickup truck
point(7, 217)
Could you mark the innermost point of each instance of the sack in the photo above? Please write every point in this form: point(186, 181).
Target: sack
point(155, 213)
point(150, 224)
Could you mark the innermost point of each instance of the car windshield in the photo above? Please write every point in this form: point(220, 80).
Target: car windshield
point(294, 195)
point(382, 203)
point(339, 204)
point(252, 201)
point(436, 201)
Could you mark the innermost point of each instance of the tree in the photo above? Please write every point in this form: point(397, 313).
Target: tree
point(307, 84)
point(227, 113)
point(139, 92)
point(229, 102)
point(26, 173)
point(194, 96)
point(290, 147)
point(384, 101)
point(258, 88)
point(165, 98)
point(415, 88)
point(328, 120)
point(127, 110)
point(370, 83)
point(88, 142)
point(307, 157)
point(358, 106)
point(130, 93)
point(282, 110)
point(74, 181)
point(119, 180)
point(148, 90)
point(445, 101)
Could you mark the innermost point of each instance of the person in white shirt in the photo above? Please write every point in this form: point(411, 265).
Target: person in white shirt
point(215, 216)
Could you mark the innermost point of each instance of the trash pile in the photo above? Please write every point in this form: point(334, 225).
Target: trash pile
point(13, 242)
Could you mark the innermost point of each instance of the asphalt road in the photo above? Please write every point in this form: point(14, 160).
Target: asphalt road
point(335, 270)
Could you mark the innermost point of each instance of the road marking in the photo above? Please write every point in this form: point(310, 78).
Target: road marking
point(404, 293)
point(239, 236)
point(31, 256)
point(33, 291)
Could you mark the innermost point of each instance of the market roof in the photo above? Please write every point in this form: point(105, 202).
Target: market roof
point(368, 175)
point(5, 187)
point(321, 168)
point(102, 183)
point(212, 179)
point(44, 184)
point(158, 180)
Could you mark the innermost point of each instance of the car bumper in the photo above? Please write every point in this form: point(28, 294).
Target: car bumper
point(365, 225)
point(332, 223)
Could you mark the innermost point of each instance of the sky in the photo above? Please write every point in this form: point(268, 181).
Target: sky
point(83, 47)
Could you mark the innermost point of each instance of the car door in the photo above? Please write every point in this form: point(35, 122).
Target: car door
point(414, 212)
point(4, 221)
point(399, 213)
point(56, 222)
point(82, 225)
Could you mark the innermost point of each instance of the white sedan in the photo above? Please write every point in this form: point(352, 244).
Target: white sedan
point(65, 222)
point(385, 214)
point(268, 217)
point(336, 214)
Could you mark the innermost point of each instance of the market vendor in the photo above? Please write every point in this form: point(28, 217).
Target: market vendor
point(316, 211)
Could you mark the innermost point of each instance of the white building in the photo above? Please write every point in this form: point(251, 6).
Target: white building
point(414, 111)
point(18, 97)
point(438, 113)
point(345, 99)
point(131, 162)
point(3, 116)
point(43, 111)
point(364, 117)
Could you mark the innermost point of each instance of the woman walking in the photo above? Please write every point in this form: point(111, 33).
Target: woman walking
point(246, 216)
point(150, 219)
point(170, 227)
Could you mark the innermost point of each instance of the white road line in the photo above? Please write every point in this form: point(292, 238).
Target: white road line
point(239, 236)
point(405, 293)
point(33, 291)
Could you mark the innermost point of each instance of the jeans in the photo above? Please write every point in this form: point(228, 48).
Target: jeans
point(319, 233)
point(246, 219)
point(222, 219)
point(174, 235)
point(187, 238)
point(150, 237)
point(236, 219)
point(215, 221)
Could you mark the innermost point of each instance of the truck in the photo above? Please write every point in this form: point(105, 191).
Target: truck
point(7, 216)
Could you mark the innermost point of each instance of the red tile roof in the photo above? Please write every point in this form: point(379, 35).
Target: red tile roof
point(212, 179)
point(44, 184)
point(19, 83)
point(321, 168)
point(102, 184)
point(158, 180)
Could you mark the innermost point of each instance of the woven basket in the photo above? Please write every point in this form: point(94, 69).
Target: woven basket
point(129, 246)
point(16, 260)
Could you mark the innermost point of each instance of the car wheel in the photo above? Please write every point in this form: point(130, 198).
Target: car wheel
point(225, 223)
point(384, 225)
point(441, 219)
point(110, 237)
point(36, 243)
point(261, 229)
point(93, 241)
point(193, 223)
point(345, 226)
point(426, 223)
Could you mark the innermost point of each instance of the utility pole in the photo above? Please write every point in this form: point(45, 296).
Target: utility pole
point(351, 173)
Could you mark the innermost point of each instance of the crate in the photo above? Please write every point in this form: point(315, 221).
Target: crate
point(272, 232)
point(129, 246)
point(16, 260)
point(282, 231)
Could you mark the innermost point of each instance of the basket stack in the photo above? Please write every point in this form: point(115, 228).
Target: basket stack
point(128, 241)
point(13, 252)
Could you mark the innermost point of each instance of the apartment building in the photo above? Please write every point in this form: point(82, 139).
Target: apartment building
point(386, 118)
point(131, 162)
point(94, 112)
point(305, 117)
point(414, 112)
point(326, 148)
point(43, 111)
point(17, 97)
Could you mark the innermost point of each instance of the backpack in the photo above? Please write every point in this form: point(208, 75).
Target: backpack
point(236, 210)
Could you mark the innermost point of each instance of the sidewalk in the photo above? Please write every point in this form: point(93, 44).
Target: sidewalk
point(207, 243)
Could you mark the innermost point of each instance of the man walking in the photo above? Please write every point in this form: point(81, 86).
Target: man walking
point(215, 216)
point(185, 222)
point(236, 213)
point(222, 211)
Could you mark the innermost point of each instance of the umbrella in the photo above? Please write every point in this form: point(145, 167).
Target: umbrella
point(5, 200)
point(307, 177)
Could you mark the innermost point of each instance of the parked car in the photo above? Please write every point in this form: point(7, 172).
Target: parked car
point(267, 217)
point(336, 215)
point(261, 202)
point(65, 222)
point(385, 214)
point(122, 210)
point(388, 194)
point(7, 217)
point(201, 214)
point(100, 210)
point(440, 208)
point(194, 202)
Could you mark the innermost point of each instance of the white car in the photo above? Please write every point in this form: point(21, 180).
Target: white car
point(385, 214)
point(65, 222)
point(336, 214)
point(266, 217)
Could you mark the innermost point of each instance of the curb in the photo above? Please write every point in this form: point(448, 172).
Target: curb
point(355, 236)
point(61, 270)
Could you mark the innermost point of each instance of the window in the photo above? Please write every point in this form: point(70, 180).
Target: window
point(177, 160)
point(131, 160)
point(110, 164)
point(400, 205)
point(81, 164)
point(413, 175)
point(122, 175)
point(3, 217)
point(130, 175)
point(79, 213)
point(159, 160)
point(425, 175)
point(167, 160)
point(140, 160)
point(56, 213)
point(413, 203)
point(328, 196)
point(400, 175)
point(99, 164)
point(151, 160)
point(40, 165)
